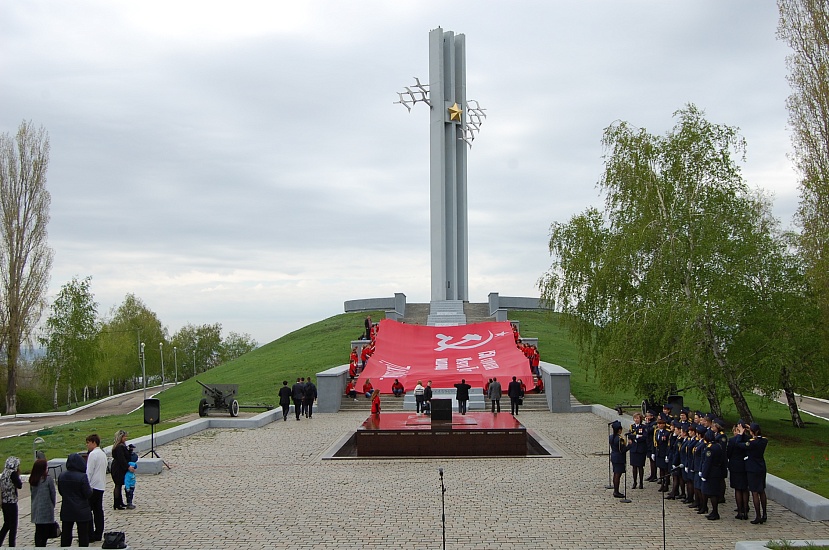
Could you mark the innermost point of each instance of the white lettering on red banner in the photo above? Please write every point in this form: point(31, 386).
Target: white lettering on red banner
point(444, 355)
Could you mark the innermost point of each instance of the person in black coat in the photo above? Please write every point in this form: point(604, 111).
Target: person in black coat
point(120, 467)
point(298, 394)
point(736, 453)
point(75, 490)
point(462, 395)
point(638, 449)
point(285, 399)
point(711, 474)
point(618, 448)
point(756, 471)
point(309, 397)
point(515, 393)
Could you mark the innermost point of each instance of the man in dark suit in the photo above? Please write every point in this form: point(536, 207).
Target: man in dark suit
point(495, 394)
point(462, 395)
point(515, 393)
point(298, 394)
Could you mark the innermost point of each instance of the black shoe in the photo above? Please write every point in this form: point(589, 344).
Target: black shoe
point(702, 511)
point(756, 521)
point(641, 486)
point(651, 479)
point(617, 494)
point(663, 489)
point(713, 516)
point(763, 519)
point(119, 507)
point(670, 497)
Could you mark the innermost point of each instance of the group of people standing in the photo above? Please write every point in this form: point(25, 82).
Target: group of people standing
point(81, 487)
point(691, 457)
point(303, 394)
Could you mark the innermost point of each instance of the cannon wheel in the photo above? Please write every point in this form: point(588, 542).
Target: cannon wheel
point(203, 407)
point(234, 408)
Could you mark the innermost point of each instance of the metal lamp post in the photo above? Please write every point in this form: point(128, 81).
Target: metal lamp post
point(175, 361)
point(161, 353)
point(143, 370)
point(194, 361)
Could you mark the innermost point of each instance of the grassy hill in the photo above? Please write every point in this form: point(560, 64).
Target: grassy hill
point(801, 456)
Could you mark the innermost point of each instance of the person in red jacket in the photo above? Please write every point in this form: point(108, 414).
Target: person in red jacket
point(536, 358)
point(375, 402)
point(364, 355)
point(368, 388)
point(351, 389)
point(397, 388)
point(539, 385)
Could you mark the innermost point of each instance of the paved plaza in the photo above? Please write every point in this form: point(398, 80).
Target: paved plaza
point(269, 488)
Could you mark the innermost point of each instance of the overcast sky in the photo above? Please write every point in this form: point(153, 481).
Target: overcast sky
point(245, 163)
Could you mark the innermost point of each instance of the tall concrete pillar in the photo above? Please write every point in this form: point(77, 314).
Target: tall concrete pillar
point(447, 161)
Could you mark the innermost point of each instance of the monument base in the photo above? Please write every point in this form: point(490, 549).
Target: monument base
point(473, 434)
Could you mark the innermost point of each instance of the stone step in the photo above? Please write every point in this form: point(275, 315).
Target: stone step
point(388, 403)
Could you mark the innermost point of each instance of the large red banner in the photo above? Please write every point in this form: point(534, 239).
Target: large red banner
point(444, 355)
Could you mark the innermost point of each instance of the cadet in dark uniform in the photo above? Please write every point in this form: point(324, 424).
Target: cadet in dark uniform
point(650, 427)
point(699, 449)
point(661, 439)
point(618, 448)
point(686, 457)
point(638, 449)
point(722, 440)
point(674, 462)
point(710, 474)
point(756, 471)
point(736, 453)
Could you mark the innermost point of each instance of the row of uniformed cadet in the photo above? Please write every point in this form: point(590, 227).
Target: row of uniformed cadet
point(690, 459)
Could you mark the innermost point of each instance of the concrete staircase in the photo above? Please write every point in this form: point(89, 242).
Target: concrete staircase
point(388, 403)
point(446, 313)
point(416, 314)
point(477, 313)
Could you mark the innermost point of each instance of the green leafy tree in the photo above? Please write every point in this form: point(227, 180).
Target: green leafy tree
point(804, 26)
point(236, 345)
point(657, 284)
point(202, 346)
point(70, 337)
point(25, 257)
point(129, 325)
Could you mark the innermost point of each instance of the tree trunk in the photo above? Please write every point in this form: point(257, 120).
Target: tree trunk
point(12, 353)
point(713, 400)
point(733, 387)
point(791, 400)
point(737, 396)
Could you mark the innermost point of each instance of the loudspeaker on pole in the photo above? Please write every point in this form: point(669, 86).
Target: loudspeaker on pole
point(152, 411)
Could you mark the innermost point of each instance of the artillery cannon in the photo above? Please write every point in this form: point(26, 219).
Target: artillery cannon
point(219, 396)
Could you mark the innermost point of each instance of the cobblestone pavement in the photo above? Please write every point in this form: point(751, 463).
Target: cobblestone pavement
point(269, 488)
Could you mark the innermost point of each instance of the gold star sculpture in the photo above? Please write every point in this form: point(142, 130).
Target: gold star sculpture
point(455, 112)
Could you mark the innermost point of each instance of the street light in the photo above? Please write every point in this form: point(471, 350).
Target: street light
point(194, 361)
point(175, 361)
point(143, 370)
point(161, 353)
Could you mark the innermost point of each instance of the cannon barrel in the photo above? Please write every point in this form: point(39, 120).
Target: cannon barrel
point(212, 391)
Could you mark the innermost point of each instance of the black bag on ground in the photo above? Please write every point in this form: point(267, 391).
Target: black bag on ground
point(114, 539)
point(54, 530)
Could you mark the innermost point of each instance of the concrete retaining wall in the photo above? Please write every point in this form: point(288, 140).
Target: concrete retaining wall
point(556, 386)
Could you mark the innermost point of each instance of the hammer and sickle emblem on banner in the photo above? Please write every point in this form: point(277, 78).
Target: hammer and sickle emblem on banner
point(469, 341)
